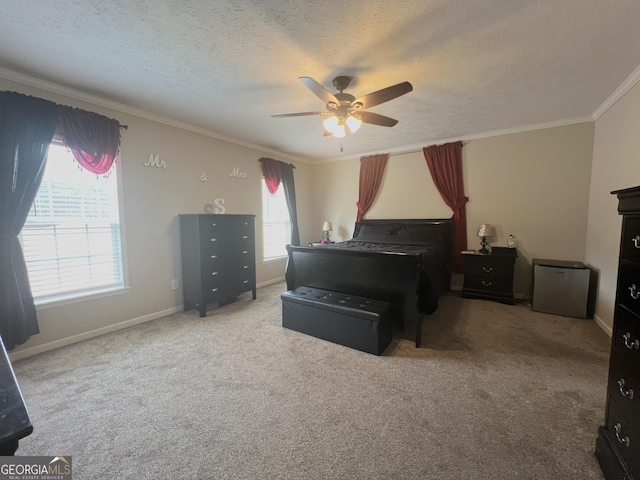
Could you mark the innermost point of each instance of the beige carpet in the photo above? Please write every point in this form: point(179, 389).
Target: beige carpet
point(496, 392)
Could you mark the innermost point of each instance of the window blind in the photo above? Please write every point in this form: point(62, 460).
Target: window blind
point(71, 240)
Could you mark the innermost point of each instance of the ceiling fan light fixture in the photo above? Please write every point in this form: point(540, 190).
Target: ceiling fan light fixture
point(339, 131)
point(331, 123)
point(354, 124)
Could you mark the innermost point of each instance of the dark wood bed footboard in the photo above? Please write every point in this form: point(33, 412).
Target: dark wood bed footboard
point(390, 277)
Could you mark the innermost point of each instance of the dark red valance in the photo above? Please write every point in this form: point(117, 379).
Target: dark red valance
point(93, 139)
point(271, 173)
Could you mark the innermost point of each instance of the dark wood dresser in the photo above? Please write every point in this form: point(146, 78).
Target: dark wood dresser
point(618, 442)
point(490, 276)
point(218, 258)
point(15, 423)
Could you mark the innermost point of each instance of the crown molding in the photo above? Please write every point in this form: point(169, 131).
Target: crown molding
point(467, 138)
point(137, 112)
point(618, 93)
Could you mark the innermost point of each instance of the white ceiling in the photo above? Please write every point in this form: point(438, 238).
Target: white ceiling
point(225, 66)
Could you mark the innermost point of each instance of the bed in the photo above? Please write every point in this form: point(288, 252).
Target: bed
point(404, 262)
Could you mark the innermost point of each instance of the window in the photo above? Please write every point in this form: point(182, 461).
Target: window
point(71, 239)
point(276, 225)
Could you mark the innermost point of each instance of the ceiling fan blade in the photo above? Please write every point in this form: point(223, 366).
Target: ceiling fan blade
point(322, 93)
point(375, 119)
point(381, 96)
point(301, 114)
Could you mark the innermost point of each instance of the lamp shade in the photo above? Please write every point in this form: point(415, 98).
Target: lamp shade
point(485, 230)
point(327, 227)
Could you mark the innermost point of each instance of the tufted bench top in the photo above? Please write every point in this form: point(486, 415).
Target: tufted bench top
point(352, 305)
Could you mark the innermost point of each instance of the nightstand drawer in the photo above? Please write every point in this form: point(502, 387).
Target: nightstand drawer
point(488, 284)
point(484, 266)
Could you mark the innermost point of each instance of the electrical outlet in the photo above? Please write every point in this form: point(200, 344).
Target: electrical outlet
point(175, 284)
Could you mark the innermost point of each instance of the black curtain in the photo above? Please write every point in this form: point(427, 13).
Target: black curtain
point(27, 125)
point(286, 173)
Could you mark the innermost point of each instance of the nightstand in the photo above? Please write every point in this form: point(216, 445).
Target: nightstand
point(490, 276)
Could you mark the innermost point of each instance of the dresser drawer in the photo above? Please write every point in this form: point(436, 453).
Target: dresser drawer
point(628, 293)
point(626, 336)
point(630, 242)
point(625, 438)
point(624, 389)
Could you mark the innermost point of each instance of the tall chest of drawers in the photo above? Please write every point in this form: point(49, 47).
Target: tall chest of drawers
point(618, 442)
point(218, 258)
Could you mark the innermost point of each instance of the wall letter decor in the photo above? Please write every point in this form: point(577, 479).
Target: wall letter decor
point(154, 161)
point(237, 173)
point(220, 208)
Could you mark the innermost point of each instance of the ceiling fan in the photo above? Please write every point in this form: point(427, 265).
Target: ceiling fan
point(345, 110)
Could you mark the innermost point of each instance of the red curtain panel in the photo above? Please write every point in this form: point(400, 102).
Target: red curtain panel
point(371, 170)
point(445, 165)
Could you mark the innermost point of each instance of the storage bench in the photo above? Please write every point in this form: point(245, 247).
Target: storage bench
point(356, 322)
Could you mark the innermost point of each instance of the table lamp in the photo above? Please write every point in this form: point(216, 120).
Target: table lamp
point(326, 228)
point(484, 230)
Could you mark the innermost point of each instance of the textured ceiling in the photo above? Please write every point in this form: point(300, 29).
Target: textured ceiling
point(226, 65)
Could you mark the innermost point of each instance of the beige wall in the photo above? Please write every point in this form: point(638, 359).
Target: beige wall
point(153, 197)
point(616, 165)
point(534, 185)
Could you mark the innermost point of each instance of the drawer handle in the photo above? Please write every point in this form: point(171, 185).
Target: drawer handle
point(636, 241)
point(486, 283)
point(246, 266)
point(624, 439)
point(214, 290)
point(245, 251)
point(214, 256)
point(214, 273)
point(213, 224)
point(625, 393)
point(214, 239)
point(631, 345)
point(246, 223)
point(487, 269)
point(633, 291)
point(245, 236)
point(246, 281)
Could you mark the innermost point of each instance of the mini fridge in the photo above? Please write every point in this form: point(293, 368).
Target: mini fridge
point(563, 288)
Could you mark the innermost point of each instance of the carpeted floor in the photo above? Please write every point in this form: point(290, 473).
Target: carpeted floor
point(496, 392)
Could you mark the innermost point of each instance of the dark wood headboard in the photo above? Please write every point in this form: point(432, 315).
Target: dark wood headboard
point(439, 230)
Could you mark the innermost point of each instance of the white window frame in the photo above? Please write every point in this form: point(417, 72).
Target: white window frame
point(95, 293)
point(266, 194)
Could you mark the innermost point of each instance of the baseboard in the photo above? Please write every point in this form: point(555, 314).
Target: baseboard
point(270, 282)
point(63, 342)
point(603, 325)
